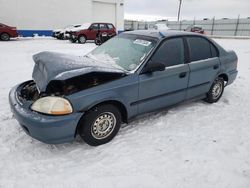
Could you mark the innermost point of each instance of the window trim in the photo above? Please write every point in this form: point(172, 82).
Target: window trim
point(188, 48)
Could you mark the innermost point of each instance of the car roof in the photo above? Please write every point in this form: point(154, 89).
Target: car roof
point(161, 33)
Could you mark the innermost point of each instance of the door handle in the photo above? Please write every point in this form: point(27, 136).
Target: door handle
point(182, 75)
point(216, 67)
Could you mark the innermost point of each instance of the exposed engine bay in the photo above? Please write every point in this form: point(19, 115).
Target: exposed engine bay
point(69, 86)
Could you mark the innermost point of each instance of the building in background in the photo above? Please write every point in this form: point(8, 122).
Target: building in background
point(41, 17)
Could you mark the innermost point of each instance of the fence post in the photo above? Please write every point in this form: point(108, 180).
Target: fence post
point(180, 25)
point(237, 25)
point(212, 31)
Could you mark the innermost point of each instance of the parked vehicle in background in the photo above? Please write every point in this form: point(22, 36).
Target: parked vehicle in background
point(76, 29)
point(158, 26)
point(60, 33)
point(7, 32)
point(131, 74)
point(91, 31)
point(195, 29)
point(161, 26)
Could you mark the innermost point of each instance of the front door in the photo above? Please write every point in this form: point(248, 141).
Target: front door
point(164, 88)
point(94, 28)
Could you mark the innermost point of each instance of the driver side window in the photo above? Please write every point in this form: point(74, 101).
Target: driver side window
point(170, 53)
point(94, 26)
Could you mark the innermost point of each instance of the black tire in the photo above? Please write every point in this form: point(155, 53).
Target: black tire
point(215, 91)
point(98, 41)
point(5, 37)
point(92, 124)
point(82, 39)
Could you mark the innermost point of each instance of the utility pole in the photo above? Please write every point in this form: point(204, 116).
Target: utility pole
point(179, 11)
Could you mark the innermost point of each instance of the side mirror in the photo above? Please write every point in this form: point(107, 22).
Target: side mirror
point(90, 28)
point(153, 67)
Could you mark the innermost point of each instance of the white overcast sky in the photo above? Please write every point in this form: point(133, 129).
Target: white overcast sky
point(160, 9)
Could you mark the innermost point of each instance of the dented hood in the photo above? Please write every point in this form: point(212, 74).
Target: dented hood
point(57, 66)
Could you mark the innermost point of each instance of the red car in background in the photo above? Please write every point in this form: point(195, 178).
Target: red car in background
point(7, 32)
point(91, 32)
point(195, 29)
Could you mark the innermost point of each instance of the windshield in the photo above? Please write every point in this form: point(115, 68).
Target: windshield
point(126, 51)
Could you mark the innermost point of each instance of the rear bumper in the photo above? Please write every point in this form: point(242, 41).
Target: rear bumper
point(45, 128)
point(232, 76)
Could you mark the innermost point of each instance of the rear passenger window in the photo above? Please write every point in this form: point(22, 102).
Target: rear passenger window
point(171, 52)
point(110, 26)
point(200, 49)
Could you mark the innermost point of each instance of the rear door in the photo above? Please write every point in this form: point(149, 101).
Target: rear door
point(103, 28)
point(111, 28)
point(204, 65)
point(163, 88)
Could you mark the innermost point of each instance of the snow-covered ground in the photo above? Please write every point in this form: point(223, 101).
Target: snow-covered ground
point(192, 145)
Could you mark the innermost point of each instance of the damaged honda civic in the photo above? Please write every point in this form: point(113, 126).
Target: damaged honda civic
point(132, 74)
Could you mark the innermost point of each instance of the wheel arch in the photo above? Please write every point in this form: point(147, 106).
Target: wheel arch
point(121, 107)
point(82, 34)
point(224, 76)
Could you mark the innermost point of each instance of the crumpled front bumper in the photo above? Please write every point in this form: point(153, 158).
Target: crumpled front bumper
point(45, 128)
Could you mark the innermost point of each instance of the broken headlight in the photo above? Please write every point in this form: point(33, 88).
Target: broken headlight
point(52, 105)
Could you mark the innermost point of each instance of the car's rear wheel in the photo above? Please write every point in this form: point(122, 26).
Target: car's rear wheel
point(100, 125)
point(215, 91)
point(5, 37)
point(82, 39)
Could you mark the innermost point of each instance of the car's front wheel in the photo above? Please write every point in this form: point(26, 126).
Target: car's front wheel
point(5, 37)
point(215, 91)
point(100, 125)
point(82, 39)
